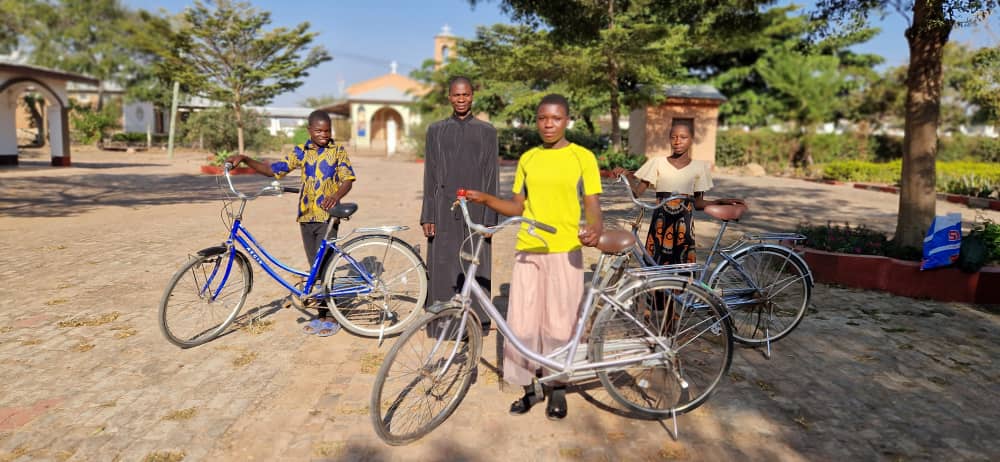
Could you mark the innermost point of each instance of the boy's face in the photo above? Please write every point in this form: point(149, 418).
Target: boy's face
point(460, 97)
point(552, 121)
point(319, 132)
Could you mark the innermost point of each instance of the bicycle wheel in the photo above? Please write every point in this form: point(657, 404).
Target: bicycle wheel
point(425, 375)
point(773, 311)
point(394, 299)
point(204, 297)
point(673, 316)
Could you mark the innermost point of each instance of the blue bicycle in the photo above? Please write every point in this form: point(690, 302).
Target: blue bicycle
point(374, 285)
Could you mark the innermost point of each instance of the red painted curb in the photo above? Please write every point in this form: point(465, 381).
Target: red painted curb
point(995, 204)
point(215, 170)
point(904, 277)
point(957, 199)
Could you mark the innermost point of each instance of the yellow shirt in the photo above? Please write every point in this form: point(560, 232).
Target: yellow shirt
point(550, 180)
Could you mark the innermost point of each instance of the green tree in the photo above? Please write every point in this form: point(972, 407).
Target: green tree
point(616, 46)
point(975, 76)
point(930, 24)
point(225, 54)
point(318, 101)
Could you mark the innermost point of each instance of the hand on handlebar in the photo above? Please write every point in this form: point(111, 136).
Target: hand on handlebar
point(477, 197)
point(620, 171)
point(236, 159)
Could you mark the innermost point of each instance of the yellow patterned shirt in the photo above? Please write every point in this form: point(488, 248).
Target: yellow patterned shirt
point(323, 169)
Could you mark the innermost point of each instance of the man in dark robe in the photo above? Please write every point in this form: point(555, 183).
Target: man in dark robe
point(461, 152)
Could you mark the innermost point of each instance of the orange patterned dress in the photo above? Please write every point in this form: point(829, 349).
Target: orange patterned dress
point(671, 232)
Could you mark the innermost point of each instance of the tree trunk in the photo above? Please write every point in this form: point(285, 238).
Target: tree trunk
point(917, 199)
point(616, 131)
point(239, 127)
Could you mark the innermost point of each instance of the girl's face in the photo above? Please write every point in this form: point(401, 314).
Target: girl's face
point(552, 121)
point(680, 139)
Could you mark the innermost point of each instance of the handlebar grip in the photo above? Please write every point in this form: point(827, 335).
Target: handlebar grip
point(228, 166)
point(289, 189)
point(545, 227)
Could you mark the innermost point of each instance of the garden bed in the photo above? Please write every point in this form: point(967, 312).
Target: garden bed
point(904, 278)
point(971, 201)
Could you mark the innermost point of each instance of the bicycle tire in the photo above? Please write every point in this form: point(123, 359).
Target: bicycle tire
point(764, 316)
point(397, 384)
point(403, 292)
point(694, 327)
point(187, 318)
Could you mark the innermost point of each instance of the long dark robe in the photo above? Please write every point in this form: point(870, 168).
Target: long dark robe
point(459, 154)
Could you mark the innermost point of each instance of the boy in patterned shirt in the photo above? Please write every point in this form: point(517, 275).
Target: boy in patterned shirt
point(327, 176)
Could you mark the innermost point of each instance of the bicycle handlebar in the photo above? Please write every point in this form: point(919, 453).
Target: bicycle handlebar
point(636, 201)
point(275, 188)
point(489, 230)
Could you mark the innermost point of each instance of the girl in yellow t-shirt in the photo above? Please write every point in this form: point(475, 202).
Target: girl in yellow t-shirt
point(547, 282)
point(671, 229)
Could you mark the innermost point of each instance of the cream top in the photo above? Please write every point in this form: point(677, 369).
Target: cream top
point(666, 178)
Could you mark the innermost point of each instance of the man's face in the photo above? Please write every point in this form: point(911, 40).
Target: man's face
point(319, 132)
point(460, 97)
point(552, 121)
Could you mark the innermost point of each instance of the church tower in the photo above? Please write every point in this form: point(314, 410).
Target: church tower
point(444, 47)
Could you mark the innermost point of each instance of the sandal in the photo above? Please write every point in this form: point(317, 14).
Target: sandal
point(328, 328)
point(313, 327)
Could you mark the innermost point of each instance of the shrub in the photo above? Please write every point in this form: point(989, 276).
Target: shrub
point(516, 141)
point(858, 240)
point(216, 129)
point(770, 149)
point(611, 159)
point(88, 125)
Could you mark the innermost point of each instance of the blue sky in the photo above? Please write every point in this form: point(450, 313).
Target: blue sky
point(364, 36)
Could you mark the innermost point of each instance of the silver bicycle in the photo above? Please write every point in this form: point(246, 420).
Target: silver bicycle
point(659, 343)
point(766, 285)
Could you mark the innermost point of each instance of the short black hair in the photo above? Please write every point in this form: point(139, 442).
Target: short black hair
point(317, 116)
point(459, 79)
point(689, 123)
point(555, 98)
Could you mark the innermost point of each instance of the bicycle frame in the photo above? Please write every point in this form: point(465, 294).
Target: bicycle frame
point(238, 234)
point(569, 368)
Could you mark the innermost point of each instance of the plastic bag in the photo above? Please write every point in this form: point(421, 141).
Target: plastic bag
point(943, 241)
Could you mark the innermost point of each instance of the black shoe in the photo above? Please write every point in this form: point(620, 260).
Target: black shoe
point(524, 403)
point(556, 408)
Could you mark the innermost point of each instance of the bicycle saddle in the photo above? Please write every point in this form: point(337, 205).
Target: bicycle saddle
point(343, 210)
point(615, 241)
point(725, 212)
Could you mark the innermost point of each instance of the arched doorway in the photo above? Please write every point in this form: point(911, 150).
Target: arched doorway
point(54, 117)
point(387, 129)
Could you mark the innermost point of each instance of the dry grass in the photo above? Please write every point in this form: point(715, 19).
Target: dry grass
point(258, 326)
point(673, 453)
point(370, 362)
point(183, 414)
point(329, 448)
point(30, 341)
point(345, 410)
point(801, 420)
point(5, 329)
point(570, 453)
point(63, 456)
point(91, 321)
point(124, 331)
point(83, 347)
point(14, 454)
point(245, 359)
point(164, 456)
point(56, 301)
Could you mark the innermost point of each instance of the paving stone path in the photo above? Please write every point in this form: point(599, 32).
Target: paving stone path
point(86, 374)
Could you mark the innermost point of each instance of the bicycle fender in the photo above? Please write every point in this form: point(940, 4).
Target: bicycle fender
point(210, 251)
point(777, 248)
point(221, 249)
point(442, 306)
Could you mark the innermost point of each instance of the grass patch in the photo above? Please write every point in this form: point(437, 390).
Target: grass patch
point(83, 347)
point(56, 301)
point(124, 332)
point(672, 453)
point(30, 341)
point(164, 456)
point(91, 321)
point(370, 362)
point(183, 414)
point(245, 359)
point(570, 453)
point(258, 326)
point(329, 448)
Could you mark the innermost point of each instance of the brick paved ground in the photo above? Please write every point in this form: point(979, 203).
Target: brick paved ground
point(87, 376)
